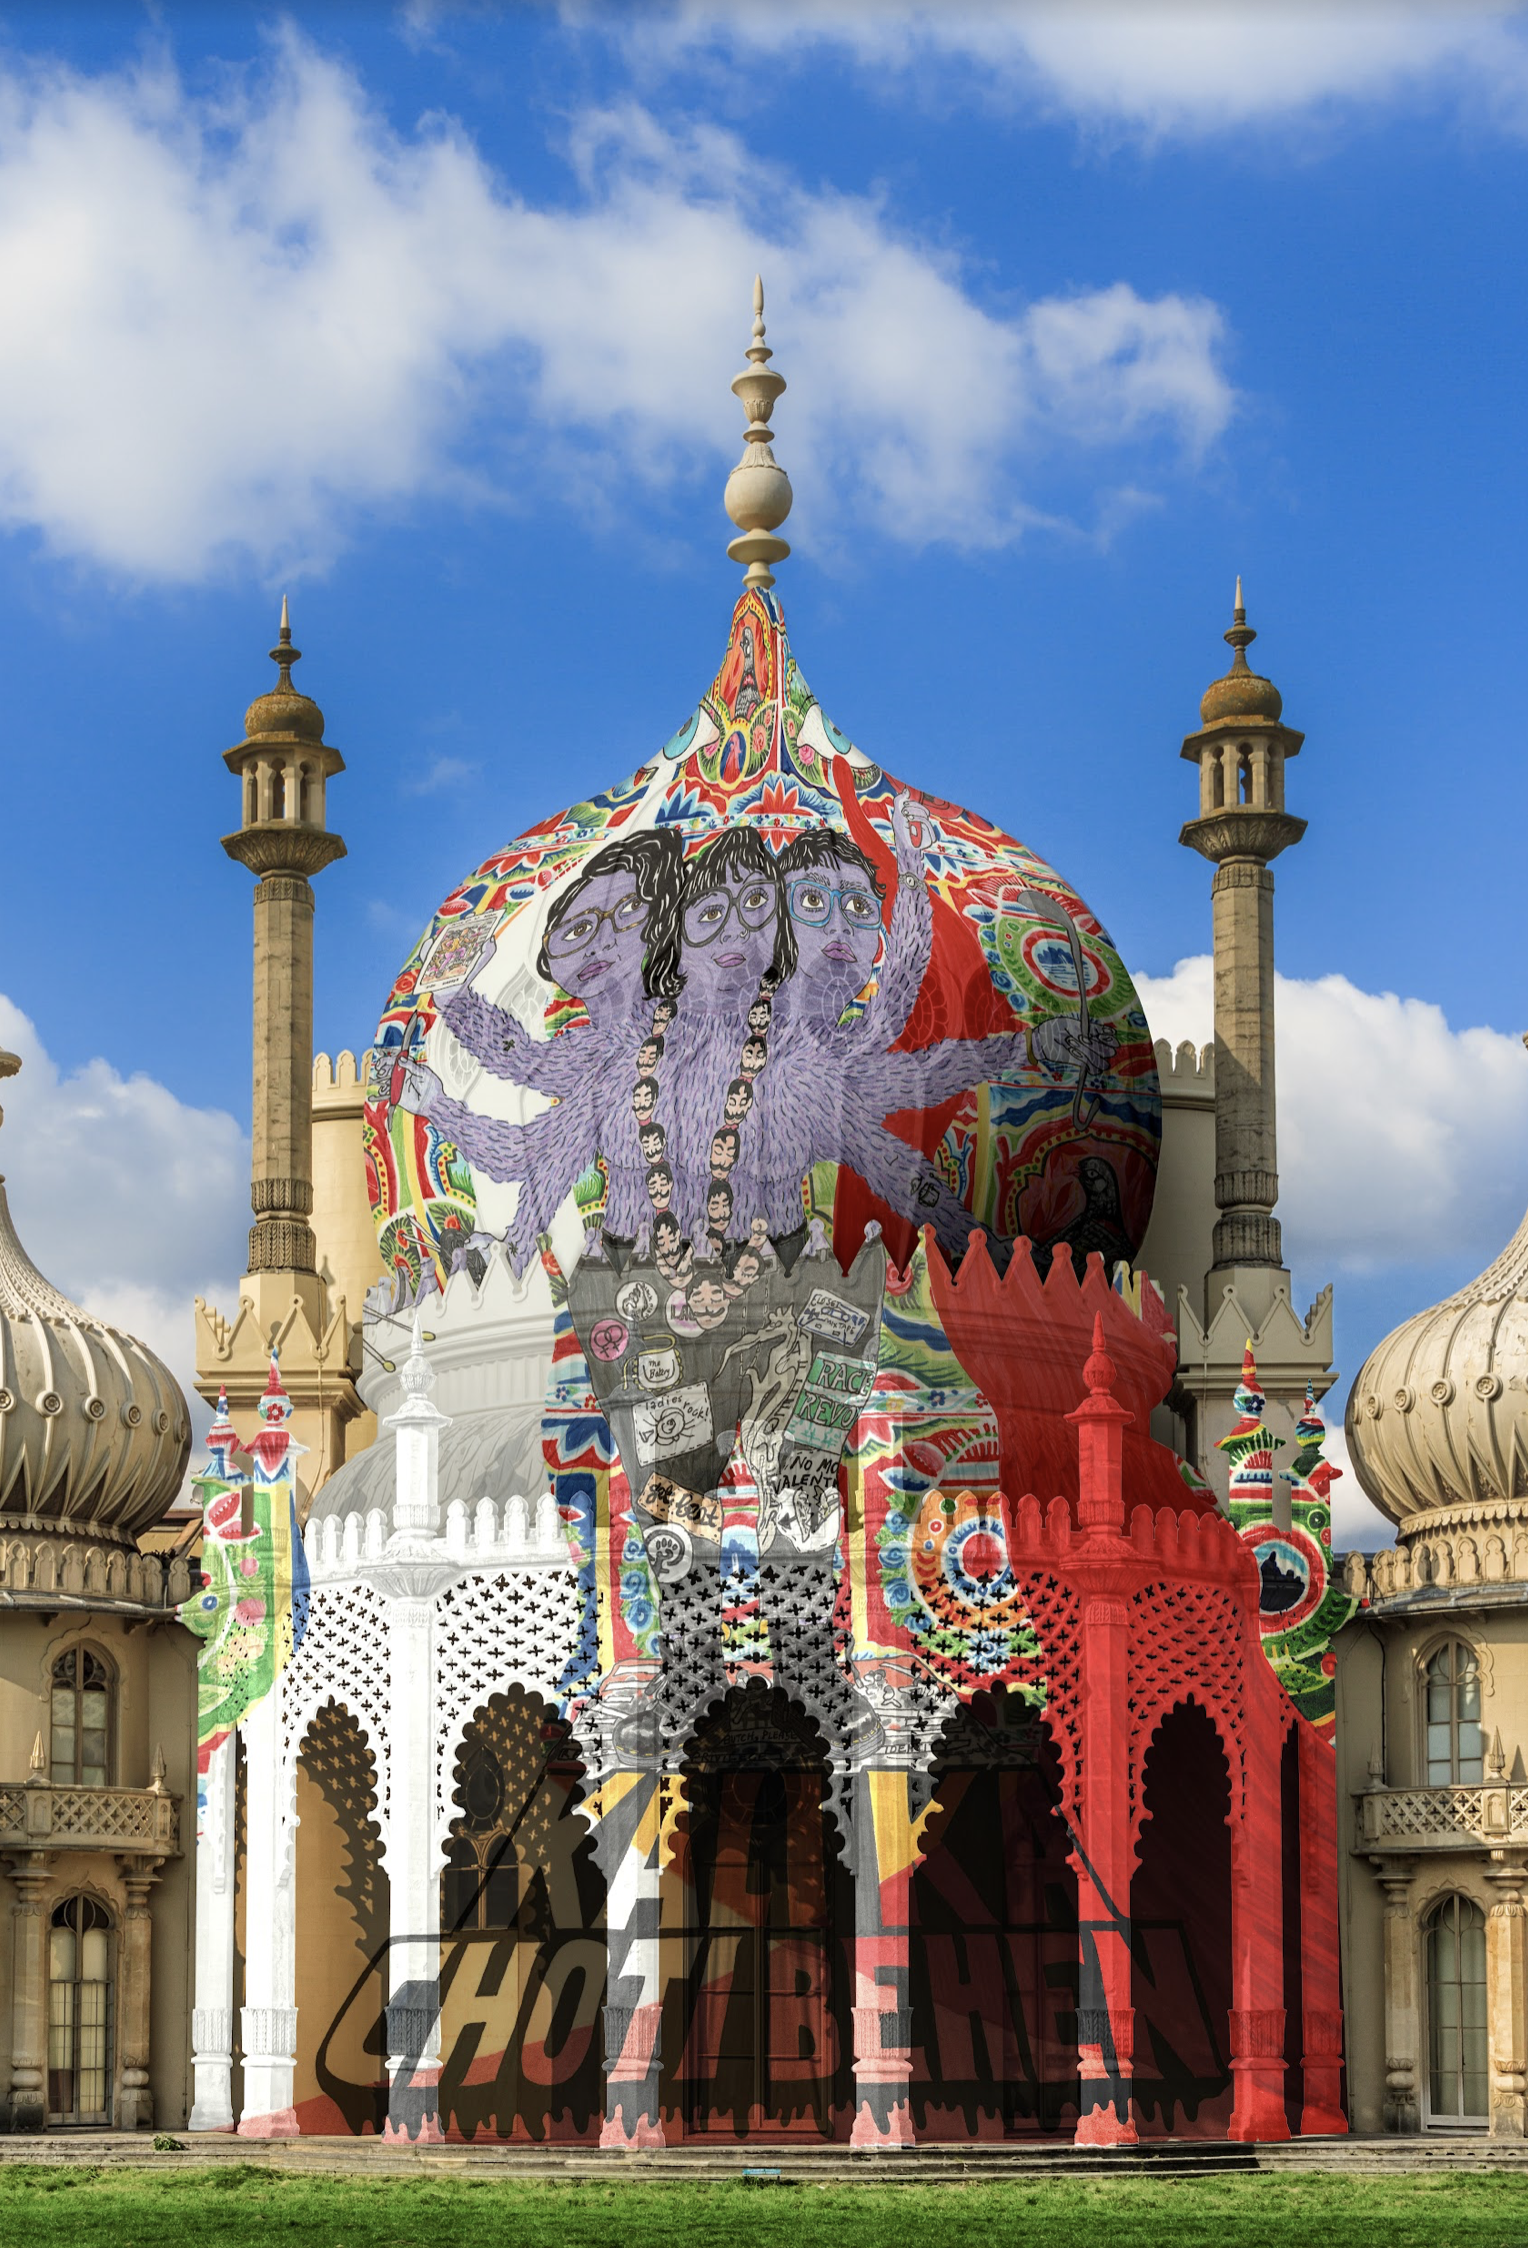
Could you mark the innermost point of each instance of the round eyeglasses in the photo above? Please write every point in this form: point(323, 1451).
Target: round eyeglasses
point(705, 918)
point(812, 902)
point(578, 932)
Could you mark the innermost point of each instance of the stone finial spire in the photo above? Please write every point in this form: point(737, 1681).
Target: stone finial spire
point(758, 495)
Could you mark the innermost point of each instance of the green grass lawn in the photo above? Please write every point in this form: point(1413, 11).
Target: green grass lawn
point(243, 2204)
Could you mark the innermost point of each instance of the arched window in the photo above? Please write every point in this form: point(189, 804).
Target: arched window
point(79, 2013)
point(1456, 1745)
point(80, 1720)
point(1244, 778)
point(1456, 2012)
point(479, 1888)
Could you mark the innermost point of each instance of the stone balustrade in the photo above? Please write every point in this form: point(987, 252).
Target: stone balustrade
point(128, 1821)
point(1407, 1819)
point(517, 1532)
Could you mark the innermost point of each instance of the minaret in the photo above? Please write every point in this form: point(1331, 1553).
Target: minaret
point(284, 766)
point(1240, 749)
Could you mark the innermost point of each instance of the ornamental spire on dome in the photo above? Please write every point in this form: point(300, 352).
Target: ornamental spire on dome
point(1243, 692)
point(286, 655)
point(758, 495)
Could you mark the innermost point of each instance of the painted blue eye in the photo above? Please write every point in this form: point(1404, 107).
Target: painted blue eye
point(209, 1600)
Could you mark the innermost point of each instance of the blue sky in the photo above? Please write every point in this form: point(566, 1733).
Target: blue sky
point(427, 316)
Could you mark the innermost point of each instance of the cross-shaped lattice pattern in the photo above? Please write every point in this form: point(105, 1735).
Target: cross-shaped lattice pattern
point(493, 1633)
point(344, 1658)
point(797, 1601)
point(1056, 1613)
point(1187, 1643)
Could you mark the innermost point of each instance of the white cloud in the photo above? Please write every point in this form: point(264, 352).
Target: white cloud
point(1401, 1139)
point(127, 1199)
point(1199, 67)
point(230, 327)
point(440, 773)
point(1402, 1142)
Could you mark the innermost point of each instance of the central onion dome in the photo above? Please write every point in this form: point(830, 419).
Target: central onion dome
point(756, 994)
point(94, 1433)
point(1438, 1416)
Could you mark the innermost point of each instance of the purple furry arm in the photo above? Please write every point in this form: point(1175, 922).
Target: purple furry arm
point(904, 965)
point(505, 1048)
point(547, 1156)
point(933, 1073)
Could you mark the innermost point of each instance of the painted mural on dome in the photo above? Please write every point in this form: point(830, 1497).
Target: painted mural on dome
point(716, 1046)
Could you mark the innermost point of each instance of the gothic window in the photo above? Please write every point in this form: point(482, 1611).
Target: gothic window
point(79, 2013)
point(1455, 1744)
point(1456, 2012)
point(80, 1720)
point(1244, 778)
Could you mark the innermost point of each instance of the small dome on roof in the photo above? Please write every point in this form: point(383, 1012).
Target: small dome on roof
point(284, 710)
point(94, 1432)
point(1243, 692)
point(1439, 1413)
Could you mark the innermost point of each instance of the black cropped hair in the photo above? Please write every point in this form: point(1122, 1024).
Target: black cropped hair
point(728, 857)
point(827, 846)
point(654, 858)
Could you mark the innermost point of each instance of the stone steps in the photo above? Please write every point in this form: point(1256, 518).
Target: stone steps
point(762, 2164)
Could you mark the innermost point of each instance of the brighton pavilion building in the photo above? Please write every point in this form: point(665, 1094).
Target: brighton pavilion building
point(763, 1565)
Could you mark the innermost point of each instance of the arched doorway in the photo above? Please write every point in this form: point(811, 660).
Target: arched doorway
point(1457, 2074)
point(522, 1955)
point(756, 1912)
point(994, 1934)
point(342, 1931)
point(80, 2013)
point(1180, 1918)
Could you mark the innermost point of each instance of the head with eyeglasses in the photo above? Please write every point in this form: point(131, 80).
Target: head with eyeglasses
point(612, 938)
point(731, 927)
point(833, 897)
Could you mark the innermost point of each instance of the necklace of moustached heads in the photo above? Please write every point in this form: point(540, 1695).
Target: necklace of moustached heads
point(672, 1248)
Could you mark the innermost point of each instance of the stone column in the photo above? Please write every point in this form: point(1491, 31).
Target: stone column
point(1246, 1152)
point(1103, 1863)
point(1507, 1994)
point(884, 1853)
point(628, 1841)
point(1320, 1964)
point(1257, 1939)
point(281, 1167)
point(413, 1878)
point(268, 2018)
point(134, 1991)
point(1403, 2024)
point(1102, 1854)
point(414, 1568)
point(212, 2013)
point(30, 1875)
